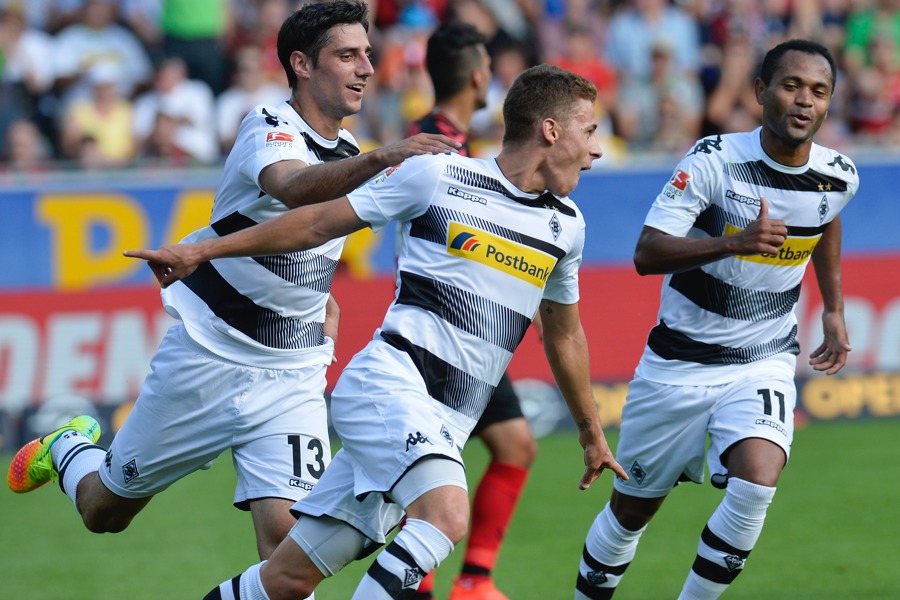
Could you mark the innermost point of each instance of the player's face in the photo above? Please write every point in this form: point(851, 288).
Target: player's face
point(796, 101)
point(575, 151)
point(339, 78)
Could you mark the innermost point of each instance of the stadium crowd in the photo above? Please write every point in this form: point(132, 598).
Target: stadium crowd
point(99, 84)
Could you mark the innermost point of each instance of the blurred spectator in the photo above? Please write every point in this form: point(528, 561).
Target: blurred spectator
point(94, 39)
point(97, 131)
point(26, 68)
point(664, 111)
point(486, 128)
point(262, 31)
point(25, 149)
point(197, 31)
point(175, 121)
point(249, 88)
point(581, 58)
point(731, 105)
point(643, 24)
point(876, 92)
point(876, 17)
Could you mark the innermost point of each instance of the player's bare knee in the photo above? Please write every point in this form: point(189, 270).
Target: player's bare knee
point(633, 513)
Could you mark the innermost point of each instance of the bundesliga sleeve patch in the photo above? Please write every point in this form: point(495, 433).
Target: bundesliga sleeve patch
point(279, 138)
point(677, 184)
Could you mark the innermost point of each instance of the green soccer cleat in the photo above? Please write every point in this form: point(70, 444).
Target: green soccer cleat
point(32, 466)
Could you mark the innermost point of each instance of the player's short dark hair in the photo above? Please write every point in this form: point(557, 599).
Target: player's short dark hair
point(773, 58)
point(309, 29)
point(452, 55)
point(540, 93)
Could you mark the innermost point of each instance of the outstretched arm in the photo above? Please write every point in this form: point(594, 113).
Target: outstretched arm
point(658, 252)
point(831, 355)
point(567, 352)
point(299, 229)
point(297, 184)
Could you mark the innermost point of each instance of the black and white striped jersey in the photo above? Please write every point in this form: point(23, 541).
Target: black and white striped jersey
point(476, 257)
point(737, 310)
point(265, 311)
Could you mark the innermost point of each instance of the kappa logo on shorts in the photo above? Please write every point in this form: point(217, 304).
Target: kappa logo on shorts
point(445, 433)
point(638, 472)
point(776, 426)
point(413, 439)
point(130, 470)
point(597, 577)
point(108, 460)
point(300, 484)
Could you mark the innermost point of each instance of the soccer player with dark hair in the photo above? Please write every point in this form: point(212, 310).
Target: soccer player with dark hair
point(244, 368)
point(460, 71)
point(733, 232)
point(485, 244)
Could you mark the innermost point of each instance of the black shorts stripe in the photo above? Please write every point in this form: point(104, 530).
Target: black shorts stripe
point(717, 543)
point(714, 295)
point(476, 315)
point(713, 572)
point(261, 324)
point(434, 226)
point(674, 345)
point(445, 383)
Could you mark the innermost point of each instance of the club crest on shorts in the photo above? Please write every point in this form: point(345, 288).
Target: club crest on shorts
point(445, 433)
point(130, 470)
point(638, 472)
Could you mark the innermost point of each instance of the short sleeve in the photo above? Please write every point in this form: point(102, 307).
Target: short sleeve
point(562, 285)
point(400, 193)
point(260, 144)
point(683, 197)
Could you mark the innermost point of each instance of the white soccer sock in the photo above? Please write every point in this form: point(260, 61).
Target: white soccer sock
point(727, 539)
point(74, 457)
point(246, 586)
point(417, 549)
point(608, 550)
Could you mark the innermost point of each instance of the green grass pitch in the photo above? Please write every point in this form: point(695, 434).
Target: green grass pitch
point(831, 532)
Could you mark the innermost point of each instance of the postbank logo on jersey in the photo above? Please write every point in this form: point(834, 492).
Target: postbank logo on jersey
point(528, 264)
point(279, 139)
point(793, 252)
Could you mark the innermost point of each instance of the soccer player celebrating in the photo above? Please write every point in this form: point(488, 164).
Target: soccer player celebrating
point(733, 230)
point(245, 366)
point(460, 71)
point(485, 243)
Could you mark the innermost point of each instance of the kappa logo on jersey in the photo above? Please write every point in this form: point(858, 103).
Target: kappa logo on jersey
point(279, 139)
point(528, 264)
point(130, 470)
point(706, 146)
point(839, 162)
point(793, 252)
point(732, 195)
point(466, 195)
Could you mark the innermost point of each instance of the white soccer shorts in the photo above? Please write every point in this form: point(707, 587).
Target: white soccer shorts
point(664, 427)
point(194, 405)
